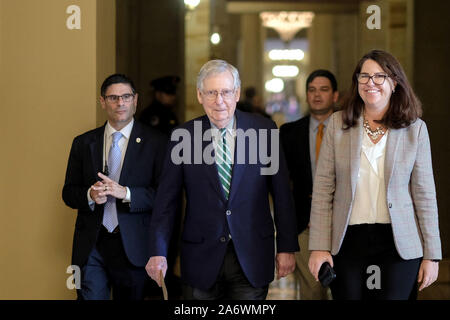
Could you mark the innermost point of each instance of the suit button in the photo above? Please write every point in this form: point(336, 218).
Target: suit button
point(223, 239)
point(390, 205)
point(228, 212)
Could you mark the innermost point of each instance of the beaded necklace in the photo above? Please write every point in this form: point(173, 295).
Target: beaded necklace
point(373, 134)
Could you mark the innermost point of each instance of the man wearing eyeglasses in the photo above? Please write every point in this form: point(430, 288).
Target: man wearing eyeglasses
point(111, 179)
point(228, 236)
point(301, 142)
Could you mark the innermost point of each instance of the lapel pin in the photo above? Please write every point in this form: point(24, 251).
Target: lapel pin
point(138, 140)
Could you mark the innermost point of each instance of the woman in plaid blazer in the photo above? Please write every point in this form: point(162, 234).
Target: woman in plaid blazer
point(374, 213)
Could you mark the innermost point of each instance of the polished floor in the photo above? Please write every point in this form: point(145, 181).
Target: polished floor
point(288, 289)
point(283, 289)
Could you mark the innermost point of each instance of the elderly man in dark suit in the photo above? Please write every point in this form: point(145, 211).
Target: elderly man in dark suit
point(228, 236)
point(301, 141)
point(111, 179)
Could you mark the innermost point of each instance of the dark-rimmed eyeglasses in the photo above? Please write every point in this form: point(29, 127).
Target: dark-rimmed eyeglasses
point(127, 97)
point(377, 78)
point(212, 94)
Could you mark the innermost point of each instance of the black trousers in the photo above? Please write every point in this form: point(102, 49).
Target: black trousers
point(231, 284)
point(368, 266)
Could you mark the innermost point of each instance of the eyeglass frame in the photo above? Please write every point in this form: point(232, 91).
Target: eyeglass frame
point(371, 77)
point(108, 98)
point(216, 94)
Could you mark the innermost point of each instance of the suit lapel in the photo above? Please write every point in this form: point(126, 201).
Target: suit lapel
point(238, 169)
point(96, 147)
point(132, 152)
point(391, 148)
point(355, 153)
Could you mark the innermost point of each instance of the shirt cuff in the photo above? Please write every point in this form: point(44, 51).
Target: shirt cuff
point(128, 196)
point(90, 201)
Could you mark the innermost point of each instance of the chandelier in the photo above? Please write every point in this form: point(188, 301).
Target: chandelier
point(191, 4)
point(287, 24)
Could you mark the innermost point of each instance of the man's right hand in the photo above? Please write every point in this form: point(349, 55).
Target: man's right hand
point(316, 260)
point(97, 193)
point(154, 266)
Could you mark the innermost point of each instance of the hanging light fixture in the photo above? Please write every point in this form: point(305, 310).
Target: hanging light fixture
point(215, 38)
point(287, 24)
point(275, 85)
point(286, 54)
point(191, 4)
point(284, 71)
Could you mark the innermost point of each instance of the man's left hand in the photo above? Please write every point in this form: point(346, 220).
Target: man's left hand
point(112, 188)
point(285, 264)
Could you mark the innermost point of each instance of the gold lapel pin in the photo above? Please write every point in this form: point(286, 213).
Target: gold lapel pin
point(138, 140)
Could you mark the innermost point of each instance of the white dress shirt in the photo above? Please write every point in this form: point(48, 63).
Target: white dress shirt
point(369, 205)
point(123, 144)
point(230, 137)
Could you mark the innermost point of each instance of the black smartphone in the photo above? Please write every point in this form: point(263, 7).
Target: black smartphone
point(326, 274)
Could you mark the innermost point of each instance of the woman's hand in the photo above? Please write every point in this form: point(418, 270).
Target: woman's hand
point(316, 260)
point(428, 273)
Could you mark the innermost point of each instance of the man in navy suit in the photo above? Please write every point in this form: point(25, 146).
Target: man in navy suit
point(228, 232)
point(302, 145)
point(112, 228)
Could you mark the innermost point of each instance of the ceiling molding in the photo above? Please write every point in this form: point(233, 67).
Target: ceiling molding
point(241, 7)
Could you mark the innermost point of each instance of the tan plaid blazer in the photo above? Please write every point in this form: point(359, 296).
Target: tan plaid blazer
point(410, 190)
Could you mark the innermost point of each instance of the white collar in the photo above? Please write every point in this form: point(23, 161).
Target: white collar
point(229, 126)
point(374, 151)
point(125, 131)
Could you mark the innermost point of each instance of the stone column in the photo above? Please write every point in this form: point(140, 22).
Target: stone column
point(150, 44)
point(431, 78)
point(251, 67)
point(322, 43)
point(197, 54)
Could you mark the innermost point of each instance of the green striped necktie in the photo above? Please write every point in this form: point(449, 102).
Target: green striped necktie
point(224, 163)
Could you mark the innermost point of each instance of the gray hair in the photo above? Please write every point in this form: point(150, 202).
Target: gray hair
point(213, 67)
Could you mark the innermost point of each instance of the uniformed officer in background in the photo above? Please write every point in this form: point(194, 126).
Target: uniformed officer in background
point(160, 113)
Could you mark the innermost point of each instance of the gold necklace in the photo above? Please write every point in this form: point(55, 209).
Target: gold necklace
point(373, 134)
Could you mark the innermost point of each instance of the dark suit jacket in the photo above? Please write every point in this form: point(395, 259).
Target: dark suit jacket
point(294, 138)
point(140, 173)
point(210, 218)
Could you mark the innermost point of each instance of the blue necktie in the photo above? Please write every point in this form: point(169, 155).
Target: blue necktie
point(115, 156)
